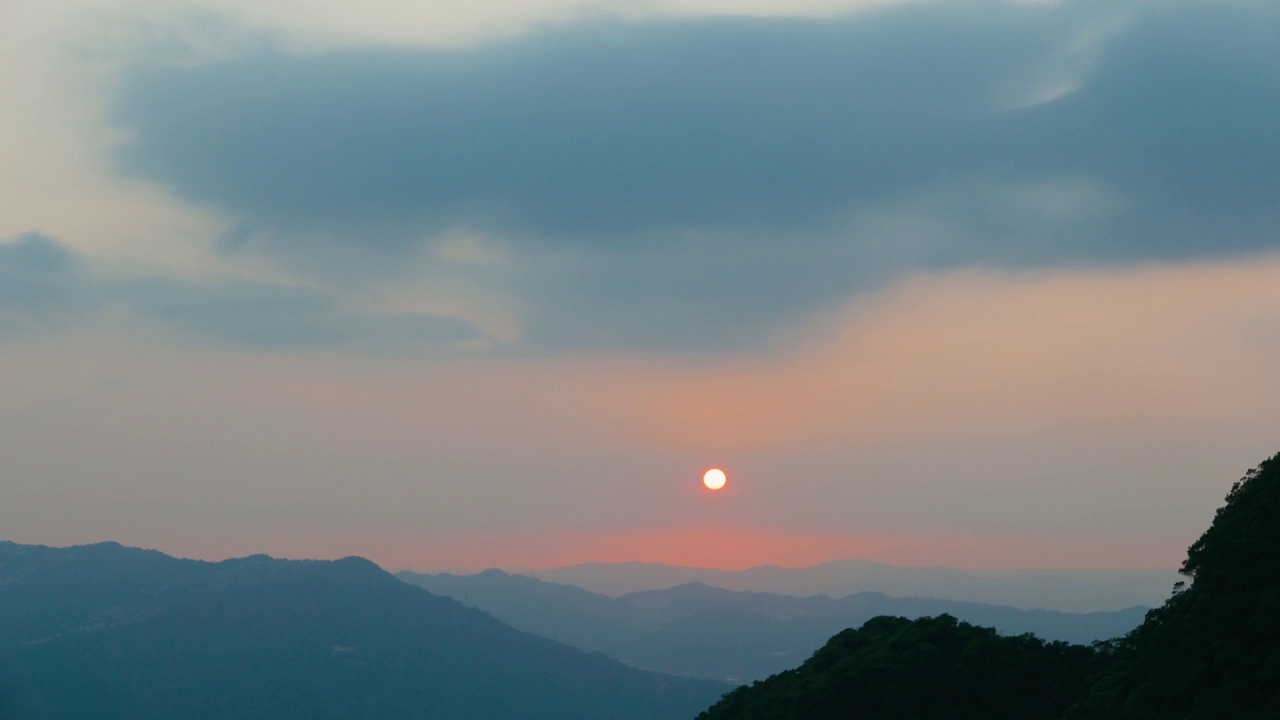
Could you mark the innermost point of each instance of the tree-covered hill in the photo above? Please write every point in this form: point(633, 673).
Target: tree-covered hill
point(110, 632)
point(927, 669)
point(1211, 652)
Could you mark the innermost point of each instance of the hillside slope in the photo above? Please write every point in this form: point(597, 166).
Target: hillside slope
point(1211, 651)
point(926, 669)
point(105, 631)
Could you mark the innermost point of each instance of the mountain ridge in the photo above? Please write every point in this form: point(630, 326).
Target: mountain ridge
point(699, 630)
point(1067, 590)
point(106, 631)
point(1210, 651)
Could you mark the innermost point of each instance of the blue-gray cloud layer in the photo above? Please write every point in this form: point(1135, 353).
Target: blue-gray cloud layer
point(709, 176)
point(42, 283)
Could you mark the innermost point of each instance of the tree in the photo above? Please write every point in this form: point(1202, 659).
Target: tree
point(1213, 649)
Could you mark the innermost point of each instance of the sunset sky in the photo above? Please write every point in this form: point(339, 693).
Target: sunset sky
point(458, 285)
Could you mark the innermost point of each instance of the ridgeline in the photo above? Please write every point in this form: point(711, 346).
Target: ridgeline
point(101, 632)
point(1212, 651)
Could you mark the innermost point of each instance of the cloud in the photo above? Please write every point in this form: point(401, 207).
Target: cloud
point(43, 282)
point(602, 133)
point(732, 172)
point(35, 272)
point(1070, 405)
point(268, 315)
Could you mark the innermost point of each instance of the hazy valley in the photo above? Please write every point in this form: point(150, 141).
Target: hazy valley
point(698, 630)
point(105, 631)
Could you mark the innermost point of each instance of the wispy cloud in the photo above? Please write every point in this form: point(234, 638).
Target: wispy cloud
point(43, 283)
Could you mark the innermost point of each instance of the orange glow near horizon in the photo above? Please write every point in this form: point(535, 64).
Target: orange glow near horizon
point(737, 549)
point(721, 548)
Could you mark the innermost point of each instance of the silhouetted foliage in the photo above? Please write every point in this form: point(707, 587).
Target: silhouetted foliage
point(1212, 650)
point(898, 669)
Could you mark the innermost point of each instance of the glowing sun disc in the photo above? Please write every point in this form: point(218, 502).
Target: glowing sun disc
point(714, 479)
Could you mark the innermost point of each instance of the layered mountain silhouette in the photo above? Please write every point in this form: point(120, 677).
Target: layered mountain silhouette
point(1065, 590)
point(1211, 652)
point(104, 631)
point(702, 631)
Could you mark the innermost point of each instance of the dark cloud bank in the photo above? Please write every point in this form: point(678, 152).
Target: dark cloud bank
point(690, 182)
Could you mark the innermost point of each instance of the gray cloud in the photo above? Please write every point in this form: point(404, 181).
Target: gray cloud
point(689, 182)
point(43, 281)
point(280, 315)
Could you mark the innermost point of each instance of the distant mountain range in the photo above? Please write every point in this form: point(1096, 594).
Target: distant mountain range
point(104, 631)
point(697, 630)
point(1065, 590)
point(1212, 650)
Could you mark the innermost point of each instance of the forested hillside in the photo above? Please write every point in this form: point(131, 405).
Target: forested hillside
point(1211, 652)
point(893, 668)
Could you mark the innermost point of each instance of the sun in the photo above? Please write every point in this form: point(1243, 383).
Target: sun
point(714, 479)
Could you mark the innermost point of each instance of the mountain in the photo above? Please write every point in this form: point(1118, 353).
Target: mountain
point(1212, 650)
point(926, 669)
point(104, 631)
point(1065, 590)
point(702, 631)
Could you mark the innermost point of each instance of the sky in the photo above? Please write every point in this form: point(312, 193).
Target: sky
point(982, 284)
